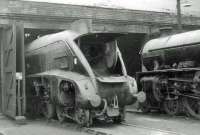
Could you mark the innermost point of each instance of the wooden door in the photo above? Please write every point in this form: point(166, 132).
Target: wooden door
point(9, 71)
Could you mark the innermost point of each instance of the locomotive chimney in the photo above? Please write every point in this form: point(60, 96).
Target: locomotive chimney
point(165, 31)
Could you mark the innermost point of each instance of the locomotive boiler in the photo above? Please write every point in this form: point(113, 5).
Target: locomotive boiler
point(170, 74)
point(79, 77)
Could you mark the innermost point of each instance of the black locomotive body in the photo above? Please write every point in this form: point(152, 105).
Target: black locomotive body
point(170, 74)
point(80, 77)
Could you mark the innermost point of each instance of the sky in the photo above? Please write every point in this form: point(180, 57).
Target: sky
point(150, 5)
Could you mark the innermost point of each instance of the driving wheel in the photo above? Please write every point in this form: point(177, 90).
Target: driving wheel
point(48, 110)
point(60, 113)
point(156, 90)
point(145, 106)
point(83, 117)
point(172, 107)
point(193, 106)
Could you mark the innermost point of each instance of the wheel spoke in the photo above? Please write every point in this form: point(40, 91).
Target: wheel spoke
point(60, 112)
point(48, 110)
point(193, 107)
point(83, 117)
point(172, 107)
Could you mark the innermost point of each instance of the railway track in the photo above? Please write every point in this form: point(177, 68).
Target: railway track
point(102, 128)
point(163, 115)
point(127, 128)
point(99, 128)
point(167, 132)
point(141, 125)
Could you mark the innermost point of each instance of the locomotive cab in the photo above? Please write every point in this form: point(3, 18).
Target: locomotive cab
point(102, 53)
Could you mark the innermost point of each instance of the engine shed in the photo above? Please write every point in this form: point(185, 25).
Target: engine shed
point(23, 21)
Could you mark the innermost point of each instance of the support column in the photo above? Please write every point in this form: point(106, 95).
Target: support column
point(178, 7)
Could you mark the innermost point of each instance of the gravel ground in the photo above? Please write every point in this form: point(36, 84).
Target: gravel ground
point(139, 124)
point(38, 127)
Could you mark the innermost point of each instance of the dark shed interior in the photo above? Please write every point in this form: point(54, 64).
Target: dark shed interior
point(130, 46)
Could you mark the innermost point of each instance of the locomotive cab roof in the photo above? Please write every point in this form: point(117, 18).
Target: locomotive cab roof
point(169, 42)
point(99, 37)
point(50, 38)
point(69, 35)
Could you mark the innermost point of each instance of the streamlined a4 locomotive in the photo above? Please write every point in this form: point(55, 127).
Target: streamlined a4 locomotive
point(170, 74)
point(80, 77)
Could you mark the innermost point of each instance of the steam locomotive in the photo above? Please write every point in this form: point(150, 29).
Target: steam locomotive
point(170, 74)
point(78, 77)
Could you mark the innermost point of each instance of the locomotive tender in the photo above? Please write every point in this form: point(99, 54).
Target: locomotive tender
point(170, 74)
point(81, 77)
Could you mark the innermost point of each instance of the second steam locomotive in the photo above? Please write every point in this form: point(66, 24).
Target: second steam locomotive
point(170, 74)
